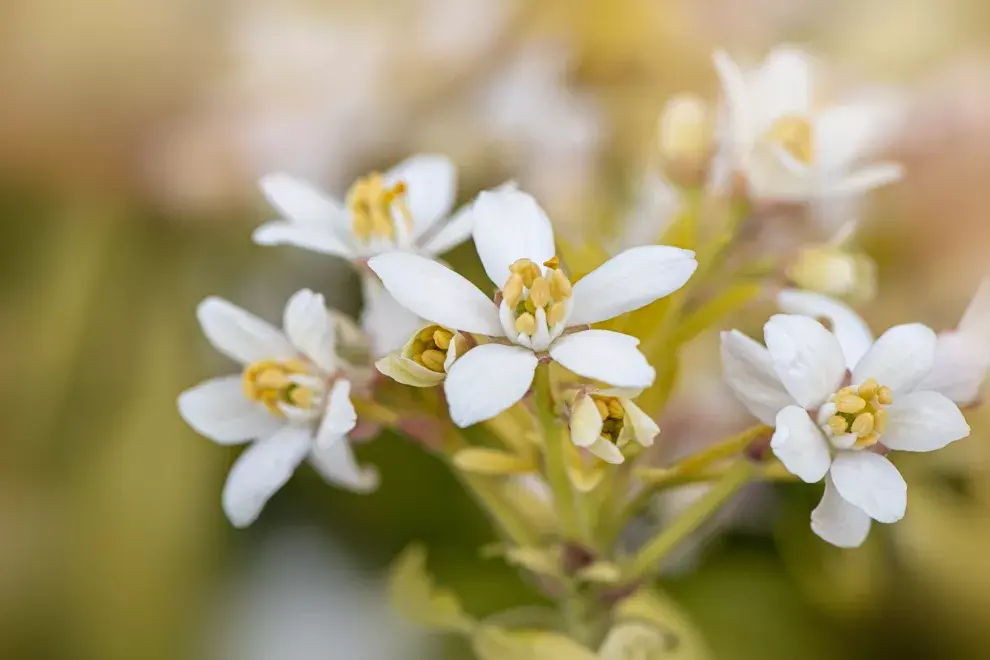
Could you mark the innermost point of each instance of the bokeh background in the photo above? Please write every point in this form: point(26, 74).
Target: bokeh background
point(131, 137)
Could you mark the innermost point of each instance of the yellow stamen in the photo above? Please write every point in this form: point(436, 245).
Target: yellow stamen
point(602, 408)
point(867, 441)
point(527, 269)
point(372, 205)
point(552, 262)
point(615, 409)
point(442, 338)
point(880, 420)
point(513, 290)
point(556, 314)
point(433, 360)
point(885, 395)
point(868, 390)
point(539, 292)
point(796, 136)
point(838, 424)
point(863, 425)
point(849, 403)
point(427, 333)
point(560, 286)
point(269, 383)
point(526, 323)
point(302, 397)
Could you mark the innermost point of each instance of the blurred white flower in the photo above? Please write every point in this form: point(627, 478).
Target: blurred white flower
point(301, 597)
point(538, 303)
point(790, 147)
point(962, 356)
point(603, 421)
point(825, 428)
point(291, 401)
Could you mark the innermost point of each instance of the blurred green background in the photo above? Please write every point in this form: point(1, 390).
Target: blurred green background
point(131, 136)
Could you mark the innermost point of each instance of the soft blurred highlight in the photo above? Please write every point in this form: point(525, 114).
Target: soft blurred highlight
point(131, 139)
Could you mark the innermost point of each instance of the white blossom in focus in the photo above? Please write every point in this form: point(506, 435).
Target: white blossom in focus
point(776, 131)
point(291, 401)
point(537, 305)
point(838, 400)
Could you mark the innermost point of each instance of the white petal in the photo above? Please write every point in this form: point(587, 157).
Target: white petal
point(308, 238)
point(487, 380)
point(606, 451)
point(308, 325)
point(431, 183)
point(872, 483)
point(737, 103)
point(339, 416)
point(800, 445)
point(863, 180)
point(302, 203)
point(749, 372)
point(900, 359)
point(217, 409)
point(388, 324)
point(337, 465)
point(782, 86)
point(645, 429)
point(807, 357)
point(923, 421)
point(960, 367)
point(849, 329)
point(241, 336)
point(585, 423)
point(976, 320)
point(408, 372)
point(510, 225)
point(845, 133)
point(436, 293)
point(629, 281)
point(839, 522)
point(260, 471)
point(610, 357)
point(775, 174)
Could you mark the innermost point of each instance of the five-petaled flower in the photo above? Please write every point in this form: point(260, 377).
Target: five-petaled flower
point(405, 208)
point(833, 425)
point(538, 305)
point(789, 147)
point(292, 399)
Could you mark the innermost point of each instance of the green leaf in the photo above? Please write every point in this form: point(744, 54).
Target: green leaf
point(414, 596)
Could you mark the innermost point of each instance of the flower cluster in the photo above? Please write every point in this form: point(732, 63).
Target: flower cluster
point(543, 386)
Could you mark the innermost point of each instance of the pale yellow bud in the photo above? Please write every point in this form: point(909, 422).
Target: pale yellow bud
point(834, 271)
point(685, 130)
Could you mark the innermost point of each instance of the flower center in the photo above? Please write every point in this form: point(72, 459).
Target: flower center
point(372, 205)
point(430, 347)
point(860, 411)
point(796, 135)
point(612, 414)
point(275, 384)
point(529, 289)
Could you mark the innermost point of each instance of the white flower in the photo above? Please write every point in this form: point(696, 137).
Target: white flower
point(603, 421)
point(788, 146)
point(292, 400)
point(962, 356)
point(402, 209)
point(827, 428)
point(538, 303)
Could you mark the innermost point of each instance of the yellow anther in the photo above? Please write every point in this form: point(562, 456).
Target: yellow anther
point(427, 333)
point(442, 338)
point(513, 289)
point(372, 203)
point(556, 313)
point(615, 409)
point(301, 397)
point(868, 389)
point(847, 390)
point(885, 395)
point(433, 360)
point(602, 408)
point(880, 419)
point(796, 136)
point(560, 286)
point(838, 424)
point(849, 403)
point(863, 425)
point(539, 292)
point(867, 441)
point(271, 378)
point(526, 323)
point(552, 262)
point(528, 270)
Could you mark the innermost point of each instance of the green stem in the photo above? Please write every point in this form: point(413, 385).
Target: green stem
point(554, 437)
point(648, 559)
